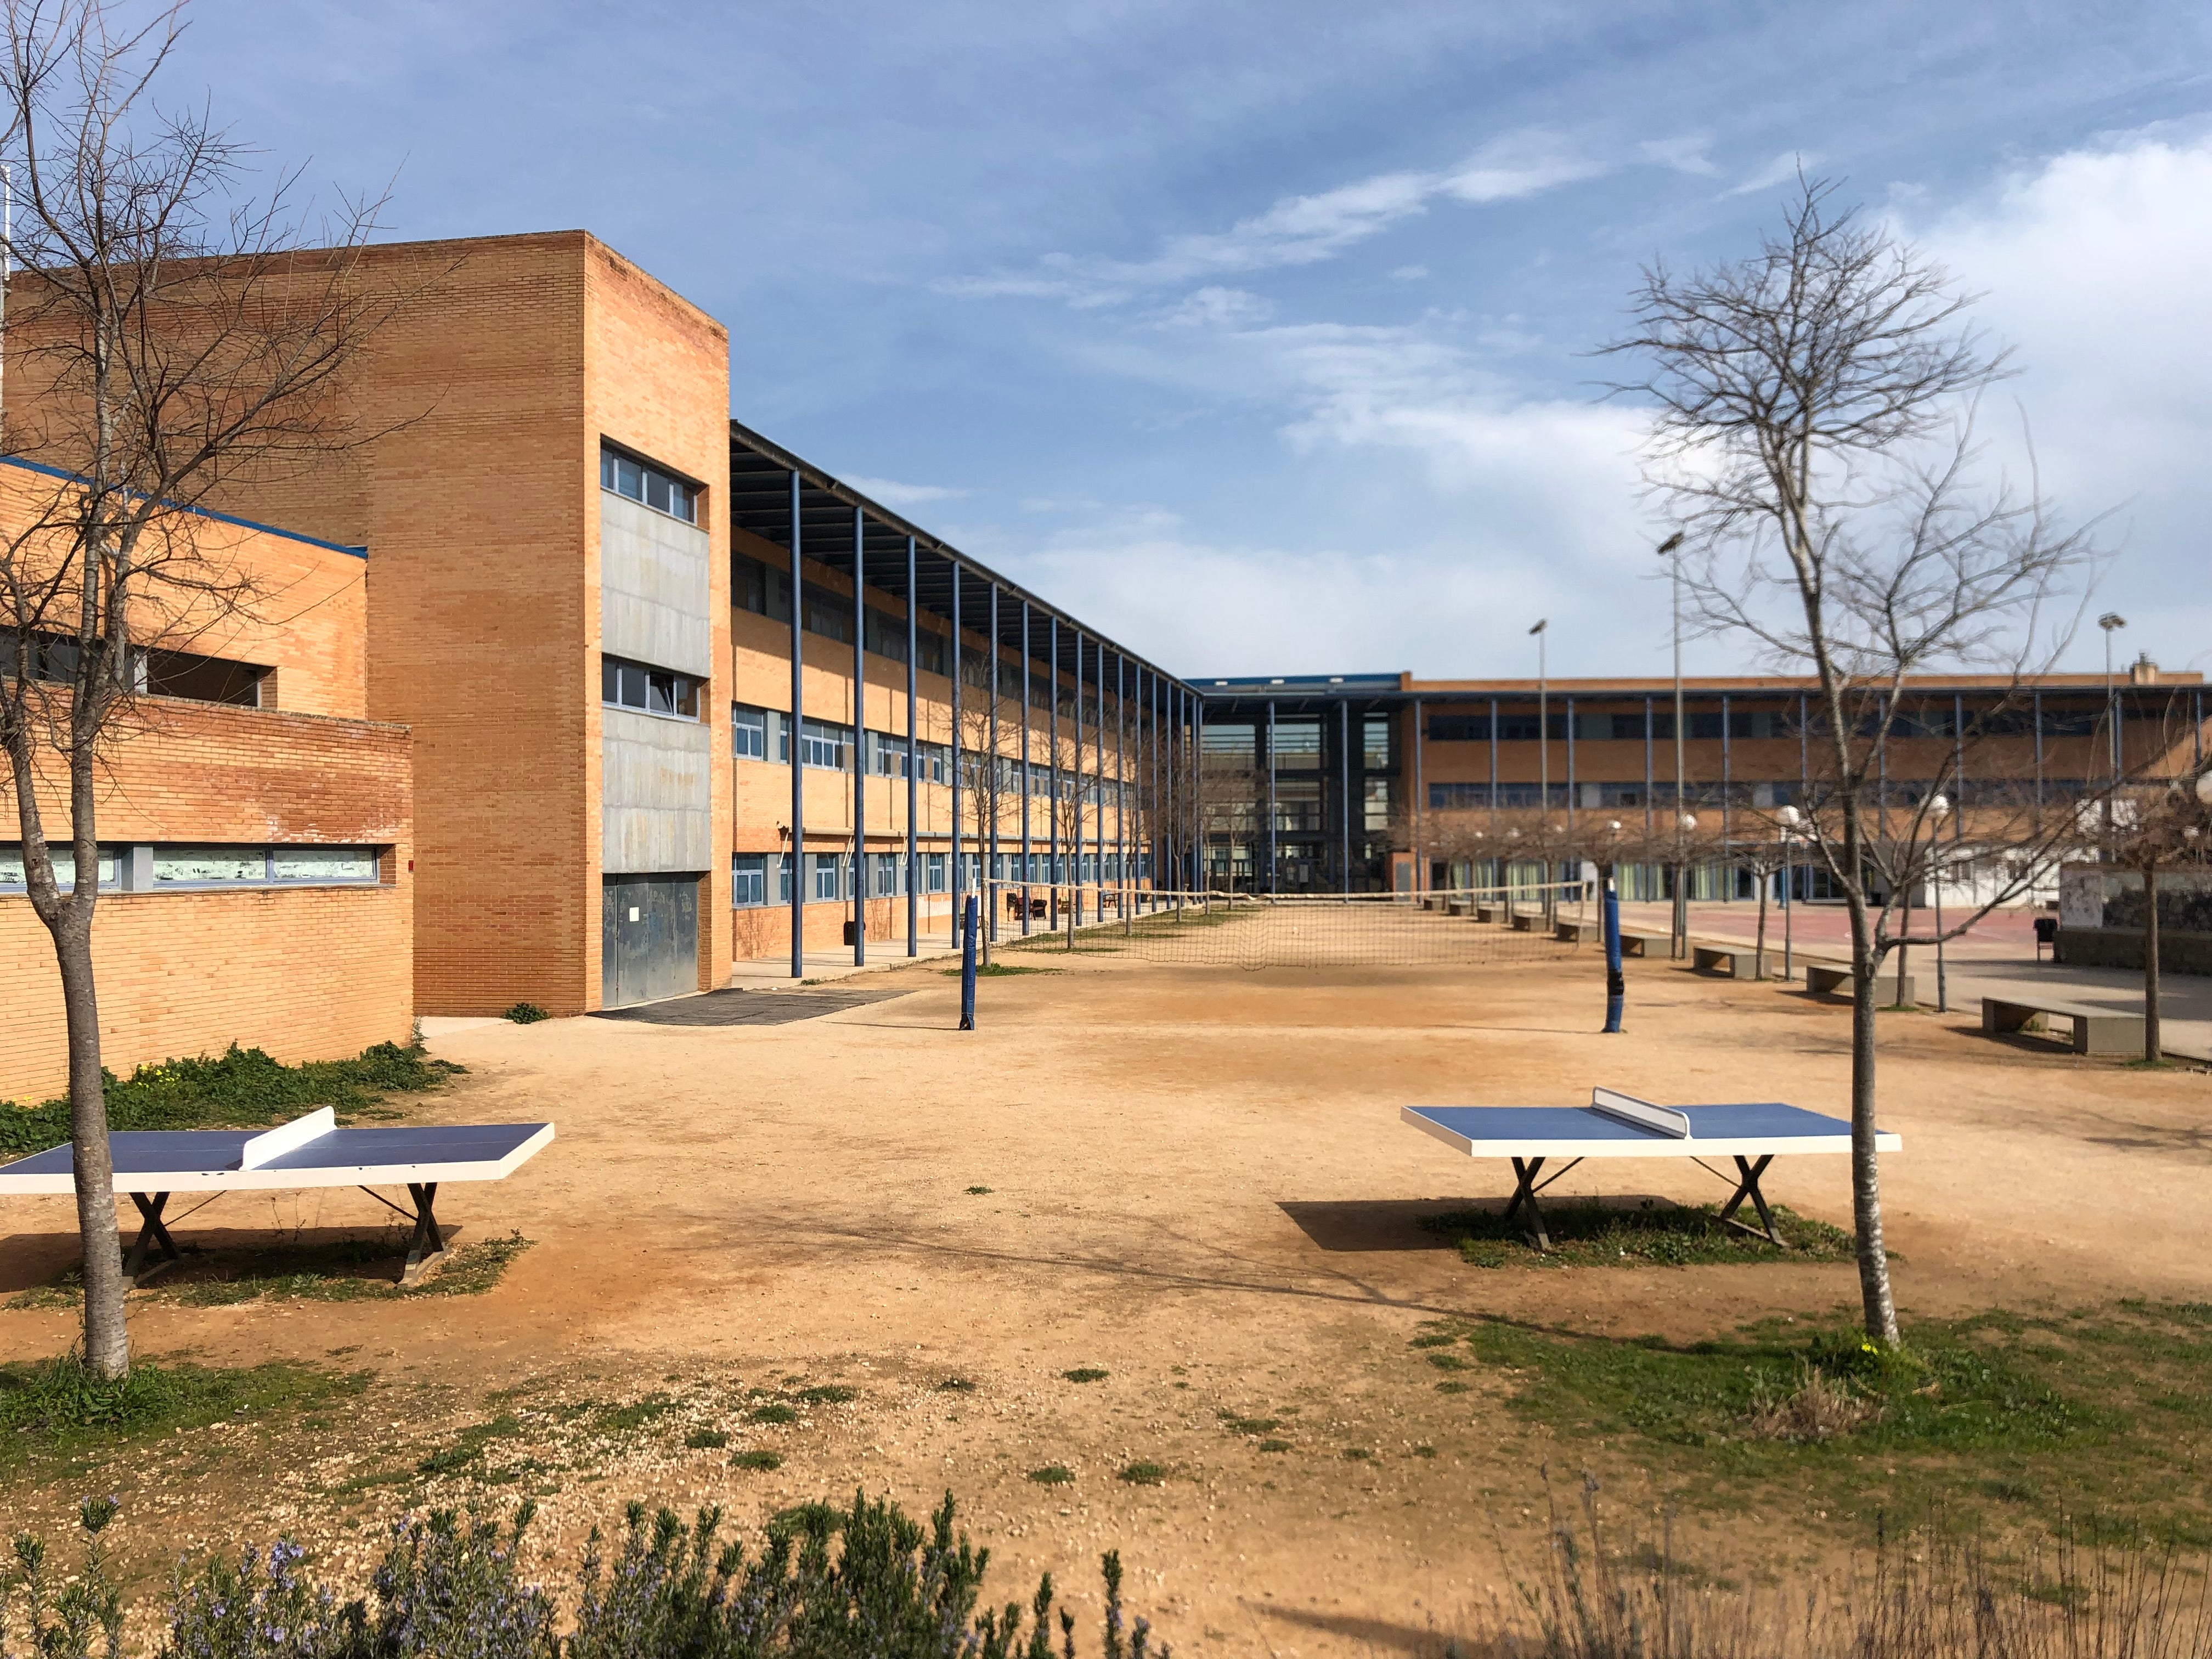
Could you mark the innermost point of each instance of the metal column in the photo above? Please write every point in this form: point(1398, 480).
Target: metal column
point(998, 793)
point(1052, 765)
point(1121, 783)
point(1958, 765)
point(1344, 778)
point(859, 740)
point(1198, 791)
point(1647, 770)
point(1493, 766)
point(1273, 861)
point(1570, 774)
point(954, 883)
point(913, 768)
point(2037, 710)
point(791, 752)
point(1026, 870)
point(1725, 775)
point(1075, 818)
point(1098, 778)
point(1420, 803)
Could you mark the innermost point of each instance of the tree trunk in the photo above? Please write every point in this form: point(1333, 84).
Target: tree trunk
point(1904, 930)
point(2152, 1047)
point(1878, 1310)
point(106, 1341)
point(1759, 950)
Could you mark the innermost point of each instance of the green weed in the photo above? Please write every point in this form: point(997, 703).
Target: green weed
point(705, 1440)
point(1052, 1474)
point(1587, 1233)
point(58, 1407)
point(1084, 1374)
point(1143, 1474)
point(763, 1460)
point(526, 1013)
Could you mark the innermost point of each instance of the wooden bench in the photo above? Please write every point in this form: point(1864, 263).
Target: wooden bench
point(1833, 978)
point(2095, 1031)
point(1711, 958)
point(1644, 945)
point(1572, 932)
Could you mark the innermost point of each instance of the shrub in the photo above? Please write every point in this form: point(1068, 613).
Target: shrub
point(892, 1588)
point(526, 1013)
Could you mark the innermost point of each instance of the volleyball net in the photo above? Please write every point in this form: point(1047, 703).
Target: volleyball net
point(1458, 927)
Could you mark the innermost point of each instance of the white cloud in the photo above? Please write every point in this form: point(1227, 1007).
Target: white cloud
point(1779, 171)
point(1684, 155)
point(892, 493)
point(1301, 230)
point(1217, 308)
point(1410, 273)
point(2093, 267)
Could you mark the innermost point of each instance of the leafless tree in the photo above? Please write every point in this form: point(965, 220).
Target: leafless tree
point(2157, 828)
point(1813, 439)
point(168, 337)
point(986, 782)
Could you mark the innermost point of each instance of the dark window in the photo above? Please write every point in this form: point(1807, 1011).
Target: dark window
point(749, 881)
point(624, 684)
point(205, 679)
point(748, 732)
point(641, 480)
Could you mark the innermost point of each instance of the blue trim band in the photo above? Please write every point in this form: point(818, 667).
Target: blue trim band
point(198, 511)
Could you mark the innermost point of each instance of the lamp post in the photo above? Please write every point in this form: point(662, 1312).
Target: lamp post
point(1616, 985)
point(1939, 808)
point(1671, 549)
point(1685, 825)
point(1790, 817)
point(2111, 622)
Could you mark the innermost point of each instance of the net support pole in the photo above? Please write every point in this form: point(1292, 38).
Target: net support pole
point(1616, 987)
point(967, 969)
point(1272, 860)
point(1419, 806)
point(1344, 784)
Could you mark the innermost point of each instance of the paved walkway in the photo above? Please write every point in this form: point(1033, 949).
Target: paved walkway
point(1997, 959)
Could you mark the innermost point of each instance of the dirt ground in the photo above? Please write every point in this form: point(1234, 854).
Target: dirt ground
point(1197, 1183)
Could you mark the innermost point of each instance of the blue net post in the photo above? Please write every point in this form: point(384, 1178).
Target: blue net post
point(968, 967)
point(1616, 989)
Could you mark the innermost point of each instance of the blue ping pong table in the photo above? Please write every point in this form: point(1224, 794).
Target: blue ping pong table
point(150, 1164)
point(1615, 1125)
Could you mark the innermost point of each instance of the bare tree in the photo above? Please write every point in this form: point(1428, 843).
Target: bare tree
point(170, 337)
point(985, 785)
point(1812, 438)
point(2169, 825)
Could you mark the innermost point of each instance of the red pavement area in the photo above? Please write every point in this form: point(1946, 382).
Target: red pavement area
point(2002, 935)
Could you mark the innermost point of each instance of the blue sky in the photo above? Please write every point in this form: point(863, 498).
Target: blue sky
point(1255, 333)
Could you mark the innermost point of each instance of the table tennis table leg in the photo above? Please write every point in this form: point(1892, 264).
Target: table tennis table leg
point(150, 1231)
point(1747, 1175)
point(426, 1249)
point(1525, 1171)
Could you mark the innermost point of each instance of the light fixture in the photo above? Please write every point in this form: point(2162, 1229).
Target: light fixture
point(1688, 821)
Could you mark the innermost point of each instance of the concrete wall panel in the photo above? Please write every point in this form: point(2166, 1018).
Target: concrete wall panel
point(656, 775)
point(654, 582)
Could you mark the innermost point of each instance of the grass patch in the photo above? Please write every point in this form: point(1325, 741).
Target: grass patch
point(2103, 1412)
point(1589, 1234)
point(1144, 1474)
point(999, 970)
point(1275, 1445)
point(469, 1445)
point(979, 1192)
point(1236, 1424)
point(775, 1412)
point(56, 1407)
point(526, 1013)
point(705, 1440)
point(763, 1461)
point(1084, 1374)
point(1053, 1474)
point(239, 1088)
point(348, 1270)
point(827, 1393)
point(621, 1419)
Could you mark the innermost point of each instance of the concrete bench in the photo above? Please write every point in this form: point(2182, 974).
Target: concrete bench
point(1833, 978)
point(1711, 958)
point(1645, 945)
point(1488, 912)
point(1526, 922)
point(2095, 1032)
point(1574, 933)
point(1456, 907)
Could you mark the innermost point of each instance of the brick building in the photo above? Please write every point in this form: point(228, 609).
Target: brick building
point(253, 824)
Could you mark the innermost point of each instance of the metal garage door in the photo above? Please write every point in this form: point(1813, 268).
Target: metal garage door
point(648, 938)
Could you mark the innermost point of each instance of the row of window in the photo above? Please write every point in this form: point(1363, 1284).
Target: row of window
point(175, 868)
point(2059, 720)
point(766, 591)
point(757, 879)
point(641, 480)
point(157, 673)
point(1784, 792)
point(626, 684)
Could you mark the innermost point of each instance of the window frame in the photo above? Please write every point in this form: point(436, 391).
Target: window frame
point(674, 486)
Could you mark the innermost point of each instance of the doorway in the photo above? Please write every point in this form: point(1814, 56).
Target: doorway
point(648, 938)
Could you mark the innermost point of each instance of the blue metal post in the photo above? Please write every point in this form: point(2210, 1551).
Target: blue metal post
point(957, 886)
point(967, 969)
point(1726, 774)
point(1075, 819)
point(1344, 782)
point(1026, 870)
point(1273, 861)
point(1616, 987)
point(913, 766)
point(792, 728)
point(1198, 791)
point(997, 795)
point(859, 740)
point(1052, 766)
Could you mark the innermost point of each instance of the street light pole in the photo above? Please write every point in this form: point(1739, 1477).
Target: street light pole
point(1671, 549)
point(1543, 751)
point(1939, 808)
point(1789, 818)
point(2111, 622)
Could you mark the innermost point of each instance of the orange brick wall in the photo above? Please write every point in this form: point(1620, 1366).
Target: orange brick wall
point(307, 972)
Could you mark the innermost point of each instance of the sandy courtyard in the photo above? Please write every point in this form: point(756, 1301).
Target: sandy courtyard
point(1197, 1183)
